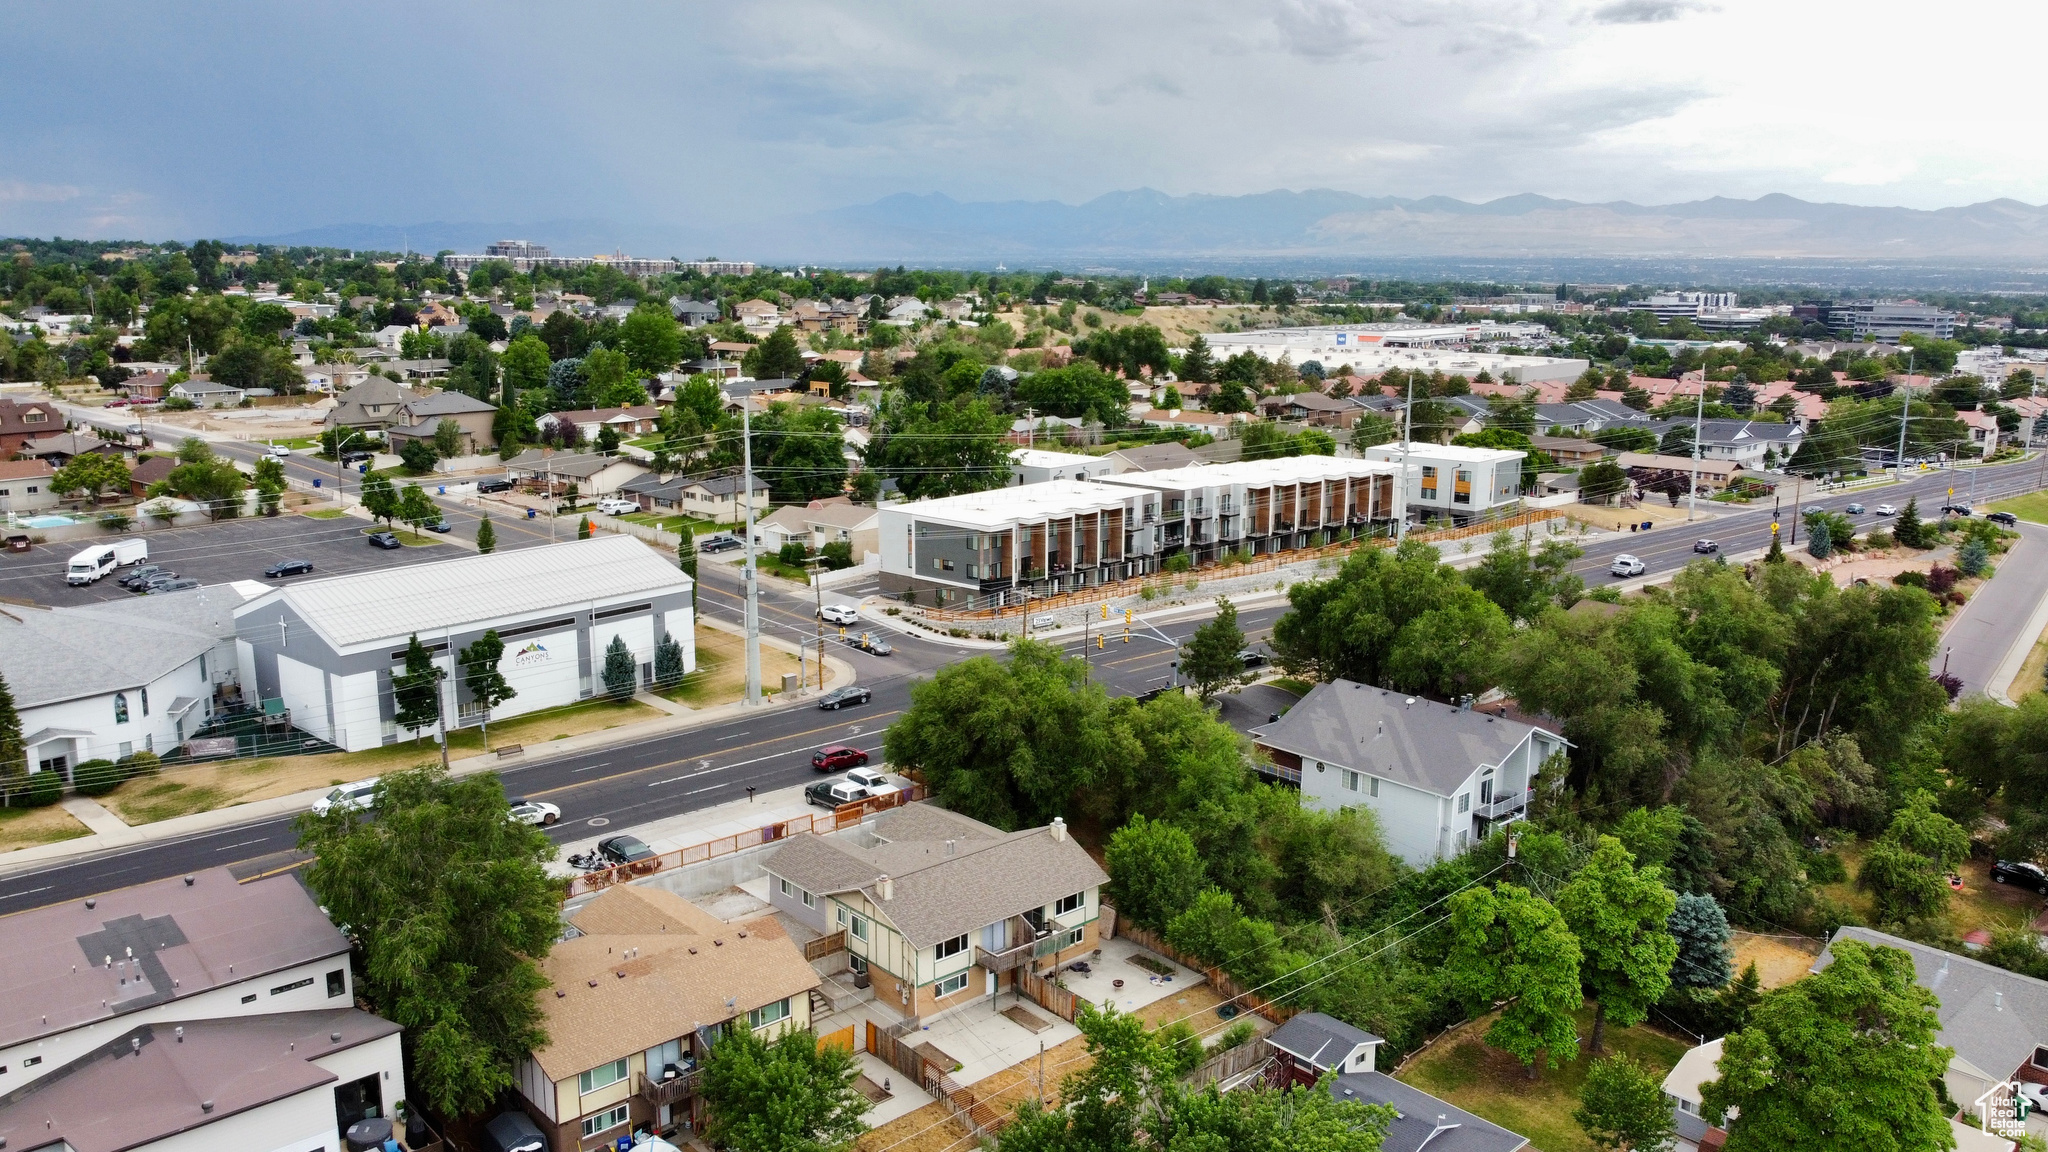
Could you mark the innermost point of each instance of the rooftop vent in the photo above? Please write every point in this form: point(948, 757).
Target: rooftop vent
point(191, 880)
point(334, 1037)
point(91, 903)
point(206, 1105)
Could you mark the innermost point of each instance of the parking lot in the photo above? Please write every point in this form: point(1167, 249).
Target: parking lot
point(215, 554)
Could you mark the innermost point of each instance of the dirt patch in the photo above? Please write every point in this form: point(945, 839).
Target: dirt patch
point(721, 675)
point(28, 827)
point(1617, 519)
point(1778, 961)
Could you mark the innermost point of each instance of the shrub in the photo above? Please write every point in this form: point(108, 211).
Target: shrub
point(1940, 580)
point(97, 777)
point(1236, 1035)
point(1879, 539)
point(141, 764)
point(837, 555)
point(793, 554)
point(1910, 579)
point(40, 790)
point(1825, 868)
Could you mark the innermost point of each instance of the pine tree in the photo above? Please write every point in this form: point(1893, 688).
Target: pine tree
point(13, 755)
point(1972, 557)
point(1909, 530)
point(619, 672)
point(486, 537)
point(1740, 998)
point(583, 528)
point(1820, 542)
point(1777, 553)
point(1198, 367)
point(668, 662)
point(686, 558)
point(416, 692)
point(1211, 661)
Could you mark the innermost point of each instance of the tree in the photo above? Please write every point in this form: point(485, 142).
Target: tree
point(607, 440)
point(416, 508)
point(270, 484)
point(1373, 429)
point(1908, 529)
point(1197, 366)
point(380, 499)
point(668, 662)
point(1403, 620)
point(1155, 871)
point(1522, 583)
point(775, 358)
point(1622, 1106)
point(791, 1094)
point(1820, 542)
point(486, 537)
point(608, 380)
point(620, 674)
point(451, 908)
point(1211, 661)
point(482, 678)
point(651, 339)
point(416, 692)
point(1169, 399)
point(448, 439)
point(1701, 929)
point(1619, 916)
point(1601, 481)
point(1906, 870)
point(206, 479)
point(583, 528)
point(13, 754)
point(524, 368)
point(940, 449)
point(418, 456)
point(1972, 557)
point(1080, 390)
point(1845, 1060)
point(1260, 1118)
point(686, 558)
point(91, 473)
point(1510, 946)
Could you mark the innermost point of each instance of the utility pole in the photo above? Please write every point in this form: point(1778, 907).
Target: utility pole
point(441, 698)
point(1407, 450)
point(1692, 492)
point(1905, 405)
point(749, 576)
point(819, 586)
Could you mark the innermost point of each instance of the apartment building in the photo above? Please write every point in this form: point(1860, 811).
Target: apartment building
point(1264, 506)
point(1454, 481)
point(1049, 537)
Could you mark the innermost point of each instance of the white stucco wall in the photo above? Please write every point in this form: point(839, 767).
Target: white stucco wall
point(542, 670)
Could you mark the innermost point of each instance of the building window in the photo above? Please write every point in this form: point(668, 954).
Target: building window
point(1464, 477)
point(1429, 493)
point(953, 947)
point(294, 986)
point(145, 701)
point(810, 901)
point(1372, 785)
point(2041, 1057)
point(1460, 840)
point(1350, 780)
point(860, 927)
point(120, 707)
point(601, 1076)
point(1067, 904)
point(609, 1118)
point(1428, 472)
point(1464, 802)
point(1461, 497)
point(950, 985)
point(337, 982)
point(788, 889)
point(768, 1014)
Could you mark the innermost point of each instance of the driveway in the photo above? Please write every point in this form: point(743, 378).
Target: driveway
point(2000, 621)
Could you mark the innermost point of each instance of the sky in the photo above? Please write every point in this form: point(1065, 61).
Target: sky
point(657, 121)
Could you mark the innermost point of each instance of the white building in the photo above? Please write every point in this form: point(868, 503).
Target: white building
point(1438, 776)
point(1266, 506)
point(329, 648)
point(1371, 349)
point(187, 1015)
point(1037, 465)
point(1450, 480)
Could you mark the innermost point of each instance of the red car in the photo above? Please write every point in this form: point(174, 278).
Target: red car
point(835, 757)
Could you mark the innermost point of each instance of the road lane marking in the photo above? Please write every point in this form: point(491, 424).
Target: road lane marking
point(243, 844)
point(732, 736)
point(712, 788)
point(29, 892)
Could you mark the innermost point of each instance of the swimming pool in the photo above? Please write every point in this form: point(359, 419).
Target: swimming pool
point(48, 521)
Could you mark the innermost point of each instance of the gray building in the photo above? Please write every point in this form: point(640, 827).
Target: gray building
point(327, 649)
point(1312, 1045)
point(1888, 320)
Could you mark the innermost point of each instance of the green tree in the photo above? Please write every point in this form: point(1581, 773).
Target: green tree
point(486, 537)
point(791, 1094)
point(1820, 542)
point(775, 358)
point(418, 456)
point(1908, 529)
point(940, 449)
point(800, 452)
point(1702, 932)
point(448, 438)
point(1077, 391)
point(1373, 429)
point(451, 908)
point(13, 754)
point(1845, 1060)
point(482, 679)
point(270, 484)
point(91, 473)
point(583, 528)
point(207, 480)
point(523, 367)
point(1973, 557)
point(1210, 661)
point(1404, 620)
point(1524, 583)
point(686, 558)
point(1155, 871)
point(608, 380)
point(380, 499)
point(1601, 481)
point(1510, 946)
point(1622, 1106)
point(1169, 399)
point(668, 662)
point(1619, 917)
point(651, 339)
point(1198, 366)
point(1906, 870)
point(416, 692)
point(1260, 1118)
point(416, 508)
point(620, 674)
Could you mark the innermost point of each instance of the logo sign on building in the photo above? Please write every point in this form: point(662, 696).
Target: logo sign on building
point(1343, 337)
point(2003, 1111)
point(530, 656)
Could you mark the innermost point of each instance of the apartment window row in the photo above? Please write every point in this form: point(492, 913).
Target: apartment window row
point(609, 1118)
point(1351, 781)
point(1066, 904)
point(953, 947)
point(951, 984)
point(602, 1076)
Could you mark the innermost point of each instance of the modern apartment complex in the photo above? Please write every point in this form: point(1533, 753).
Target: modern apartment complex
point(1265, 505)
point(1450, 480)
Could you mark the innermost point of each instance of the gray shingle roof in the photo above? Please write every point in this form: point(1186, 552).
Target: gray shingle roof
point(447, 404)
point(1423, 1119)
point(1425, 744)
point(1994, 1019)
point(1320, 1041)
point(54, 654)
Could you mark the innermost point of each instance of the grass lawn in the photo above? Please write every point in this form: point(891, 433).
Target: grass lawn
point(721, 675)
point(28, 827)
point(2033, 675)
point(1291, 684)
point(698, 528)
point(406, 536)
point(1980, 903)
point(2033, 506)
point(296, 443)
point(1462, 1069)
point(324, 513)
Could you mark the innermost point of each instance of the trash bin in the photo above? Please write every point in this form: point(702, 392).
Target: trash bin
point(529, 513)
point(442, 490)
point(316, 481)
point(1646, 525)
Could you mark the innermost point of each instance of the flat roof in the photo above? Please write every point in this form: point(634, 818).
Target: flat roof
point(1450, 452)
point(1024, 504)
point(1255, 473)
point(1040, 458)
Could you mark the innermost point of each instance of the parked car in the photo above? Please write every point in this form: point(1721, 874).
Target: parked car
point(2004, 518)
point(135, 580)
point(870, 643)
point(285, 568)
point(514, 1132)
point(384, 540)
point(498, 485)
point(840, 697)
point(718, 542)
point(1854, 509)
point(2024, 873)
point(534, 812)
point(1705, 547)
point(357, 456)
point(178, 585)
point(280, 450)
point(833, 793)
point(617, 507)
point(160, 580)
point(1956, 510)
point(1887, 510)
point(875, 782)
point(1626, 565)
point(1251, 658)
point(360, 796)
point(833, 757)
point(117, 403)
point(440, 525)
point(838, 614)
point(624, 849)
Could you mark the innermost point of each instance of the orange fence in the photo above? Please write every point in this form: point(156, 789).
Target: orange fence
point(844, 816)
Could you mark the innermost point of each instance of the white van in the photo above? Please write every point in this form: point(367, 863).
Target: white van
point(88, 566)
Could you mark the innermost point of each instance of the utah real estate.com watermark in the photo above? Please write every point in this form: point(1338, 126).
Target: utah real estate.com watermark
point(2003, 1111)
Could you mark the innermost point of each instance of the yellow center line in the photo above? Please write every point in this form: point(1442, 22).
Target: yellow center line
point(691, 759)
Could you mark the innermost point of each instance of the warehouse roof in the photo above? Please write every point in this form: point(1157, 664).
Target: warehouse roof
point(365, 607)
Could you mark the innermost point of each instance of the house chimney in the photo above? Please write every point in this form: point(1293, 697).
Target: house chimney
point(1058, 828)
point(952, 847)
point(885, 888)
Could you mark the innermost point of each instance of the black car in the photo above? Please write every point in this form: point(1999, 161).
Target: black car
point(160, 580)
point(1955, 509)
point(1252, 658)
point(440, 525)
point(384, 540)
point(2021, 872)
point(2005, 518)
point(1705, 547)
point(350, 459)
point(170, 586)
point(140, 577)
point(288, 568)
point(624, 849)
point(720, 543)
point(499, 485)
point(840, 697)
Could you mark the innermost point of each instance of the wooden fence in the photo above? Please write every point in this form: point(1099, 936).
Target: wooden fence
point(825, 945)
point(1229, 1064)
point(1217, 977)
point(981, 1118)
point(844, 816)
point(1048, 995)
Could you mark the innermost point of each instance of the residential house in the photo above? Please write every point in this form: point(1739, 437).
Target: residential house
point(940, 910)
point(1649, 470)
point(59, 448)
point(904, 311)
point(149, 471)
point(1983, 430)
point(1585, 417)
point(25, 486)
point(1438, 776)
point(1751, 443)
point(423, 416)
point(637, 420)
point(1311, 408)
point(1030, 432)
point(22, 421)
point(1455, 481)
point(639, 994)
point(822, 522)
point(715, 497)
point(693, 313)
point(1217, 424)
point(1153, 457)
point(720, 368)
point(758, 316)
point(334, 379)
point(552, 472)
point(1312, 1045)
point(146, 386)
point(391, 335)
point(1570, 450)
point(372, 406)
point(209, 1011)
point(431, 368)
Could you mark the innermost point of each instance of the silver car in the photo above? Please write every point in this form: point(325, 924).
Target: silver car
point(1626, 565)
point(534, 812)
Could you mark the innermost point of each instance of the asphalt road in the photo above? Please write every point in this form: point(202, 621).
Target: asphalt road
point(1993, 621)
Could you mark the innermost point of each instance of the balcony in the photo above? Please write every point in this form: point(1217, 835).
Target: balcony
point(1503, 807)
point(673, 1090)
point(1016, 955)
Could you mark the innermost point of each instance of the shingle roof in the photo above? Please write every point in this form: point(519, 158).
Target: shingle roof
point(53, 654)
point(651, 967)
point(447, 404)
point(1423, 1120)
point(395, 602)
point(576, 465)
point(1994, 1019)
point(1153, 457)
point(1320, 1041)
point(1425, 744)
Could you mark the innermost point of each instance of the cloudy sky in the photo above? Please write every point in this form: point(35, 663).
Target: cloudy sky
point(159, 120)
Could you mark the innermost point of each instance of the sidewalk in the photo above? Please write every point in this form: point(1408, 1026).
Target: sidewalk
point(108, 832)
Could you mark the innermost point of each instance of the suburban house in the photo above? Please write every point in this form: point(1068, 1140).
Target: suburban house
point(821, 523)
point(1648, 468)
point(1153, 457)
point(551, 472)
point(638, 420)
point(1570, 451)
point(1438, 776)
point(1312, 1045)
point(758, 316)
point(715, 497)
point(371, 406)
point(940, 909)
point(24, 421)
point(25, 486)
point(692, 313)
point(103, 681)
point(1983, 430)
point(643, 989)
point(60, 447)
point(1747, 442)
point(212, 1010)
point(145, 386)
point(207, 393)
point(1585, 417)
point(149, 470)
point(1450, 480)
point(1312, 408)
point(421, 419)
point(904, 311)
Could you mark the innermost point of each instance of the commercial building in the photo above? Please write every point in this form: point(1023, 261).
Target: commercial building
point(1450, 480)
point(719, 267)
point(531, 256)
point(1264, 506)
point(1669, 306)
point(1371, 349)
point(327, 649)
point(1884, 320)
point(195, 1013)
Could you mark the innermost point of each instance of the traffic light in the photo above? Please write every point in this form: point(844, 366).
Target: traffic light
point(1127, 635)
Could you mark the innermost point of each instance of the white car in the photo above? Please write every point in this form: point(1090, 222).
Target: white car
point(360, 796)
point(1887, 510)
point(617, 507)
point(280, 450)
point(838, 614)
point(1626, 565)
point(534, 812)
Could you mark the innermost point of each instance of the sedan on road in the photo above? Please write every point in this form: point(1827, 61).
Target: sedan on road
point(1251, 658)
point(1854, 509)
point(838, 614)
point(360, 796)
point(2005, 518)
point(440, 525)
point(624, 849)
point(1705, 547)
point(280, 450)
point(840, 697)
point(534, 812)
point(384, 540)
point(835, 757)
point(2021, 872)
point(1626, 565)
point(285, 568)
point(1887, 510)
point(870, 643)
point(160, 585)
point(1956, 510)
